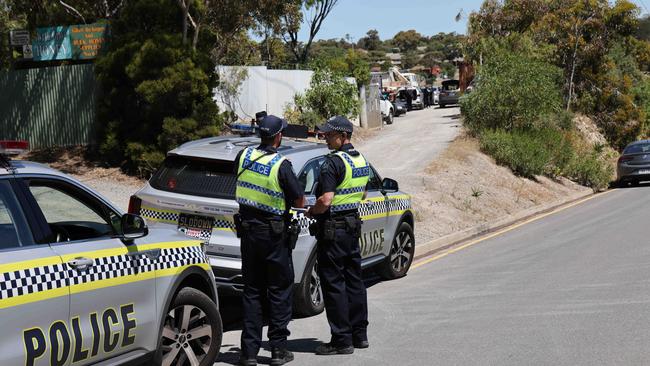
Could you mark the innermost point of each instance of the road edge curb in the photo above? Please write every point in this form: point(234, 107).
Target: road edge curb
point(450, 240)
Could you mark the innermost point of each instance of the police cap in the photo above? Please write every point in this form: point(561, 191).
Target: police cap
point(271, 125)
point(260, 115)
point(338, 124)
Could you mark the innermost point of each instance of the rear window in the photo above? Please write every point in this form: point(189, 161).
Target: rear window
point(197, 177)
point(450, 86)
point(637, 148)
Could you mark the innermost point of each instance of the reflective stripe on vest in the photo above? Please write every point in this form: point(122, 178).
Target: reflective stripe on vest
point(350, 192)
point(259, 186)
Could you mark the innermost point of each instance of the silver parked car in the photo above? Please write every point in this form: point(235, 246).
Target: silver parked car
point(82, 283)
point(449, 93)
point(194, 192)
point(634, 164)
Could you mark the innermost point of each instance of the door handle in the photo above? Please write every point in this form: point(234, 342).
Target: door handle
point(81, 263)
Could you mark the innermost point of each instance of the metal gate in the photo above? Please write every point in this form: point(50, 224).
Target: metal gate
point(50, 106)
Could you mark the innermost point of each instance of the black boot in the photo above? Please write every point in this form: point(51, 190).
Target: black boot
point(280, 356)
point(327, 349)
point(360, 343)
point(243, 361)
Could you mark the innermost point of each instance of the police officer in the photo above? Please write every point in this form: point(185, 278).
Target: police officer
point(266, 190)
point(342, 184)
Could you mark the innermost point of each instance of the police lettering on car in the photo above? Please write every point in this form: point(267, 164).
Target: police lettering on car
point(266, 190)
point(64, 341)
point(343, 179)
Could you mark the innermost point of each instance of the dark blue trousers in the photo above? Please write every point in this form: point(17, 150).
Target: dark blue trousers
point(346, 303)
point(267, 272)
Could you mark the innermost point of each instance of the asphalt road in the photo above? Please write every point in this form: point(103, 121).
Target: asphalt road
point(413, 140)
point(571, 288)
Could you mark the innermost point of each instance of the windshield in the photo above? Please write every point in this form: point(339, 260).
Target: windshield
point(451, 85)
point(195, 176)
point(637, 148)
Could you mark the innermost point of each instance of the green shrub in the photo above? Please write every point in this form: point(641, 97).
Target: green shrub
point(513, 92)
point(329, 94)
point(548, 152)
point(530, 152)
point(559, 147)
point(522, 152)
point(591, 171)
point(156, 91)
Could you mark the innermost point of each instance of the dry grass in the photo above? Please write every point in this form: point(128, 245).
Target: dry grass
point(361, 135)
point(76, 161)
point(464, 188)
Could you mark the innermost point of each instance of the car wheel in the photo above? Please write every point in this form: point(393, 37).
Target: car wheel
point(308, 297)
point(401, 254)
point(390, 117)
point(192, 331)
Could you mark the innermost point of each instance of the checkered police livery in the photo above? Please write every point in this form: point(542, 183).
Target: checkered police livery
point(49, 277)
point(156, 214)
point(32, 280)
point(398, 204)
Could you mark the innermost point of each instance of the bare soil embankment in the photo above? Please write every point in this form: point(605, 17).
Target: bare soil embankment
point(463, 188)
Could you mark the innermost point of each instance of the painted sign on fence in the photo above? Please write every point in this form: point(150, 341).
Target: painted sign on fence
point(52, 43)
point(87, 40)
point(77, 42)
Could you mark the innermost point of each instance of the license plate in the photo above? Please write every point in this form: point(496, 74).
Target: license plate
point(195, 226)
point(643, 171)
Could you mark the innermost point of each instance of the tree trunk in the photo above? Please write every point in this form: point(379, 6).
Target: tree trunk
point(196, 36)
point(573, 71)
point(185, 8)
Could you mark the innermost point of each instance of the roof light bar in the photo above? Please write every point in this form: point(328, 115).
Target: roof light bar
point(13, 147)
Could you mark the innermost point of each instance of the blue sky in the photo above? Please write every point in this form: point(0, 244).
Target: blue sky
point(428, 17)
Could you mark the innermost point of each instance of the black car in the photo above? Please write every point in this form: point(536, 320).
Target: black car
point(399, 106)
point(634, 164)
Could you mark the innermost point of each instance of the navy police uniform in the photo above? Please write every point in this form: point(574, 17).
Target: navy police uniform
point(267, 268)
point(339, 260)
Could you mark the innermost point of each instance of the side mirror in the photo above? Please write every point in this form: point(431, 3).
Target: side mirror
point(133, 227)
point(389, 185)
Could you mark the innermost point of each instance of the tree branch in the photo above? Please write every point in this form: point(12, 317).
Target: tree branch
point(72, 10)
point(185, 8)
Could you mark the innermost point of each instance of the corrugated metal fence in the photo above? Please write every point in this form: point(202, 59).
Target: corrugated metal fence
point(50, 106)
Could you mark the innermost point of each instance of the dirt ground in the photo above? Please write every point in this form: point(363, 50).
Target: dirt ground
point(463, 188)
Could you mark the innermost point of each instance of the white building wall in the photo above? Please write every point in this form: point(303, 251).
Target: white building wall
point(264, 89)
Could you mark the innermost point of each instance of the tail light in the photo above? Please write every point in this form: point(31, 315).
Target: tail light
point(625, 158)
point(134, 205)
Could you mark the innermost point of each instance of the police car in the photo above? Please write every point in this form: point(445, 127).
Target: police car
point(194, 192)
point(82, 283)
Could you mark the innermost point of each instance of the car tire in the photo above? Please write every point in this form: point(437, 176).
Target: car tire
point(389, 120)
point(400, 257)
point(308, 295)
point(193, 309)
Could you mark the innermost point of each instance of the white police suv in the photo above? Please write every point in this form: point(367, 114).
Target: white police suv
point(82, 283)
point(194, 192)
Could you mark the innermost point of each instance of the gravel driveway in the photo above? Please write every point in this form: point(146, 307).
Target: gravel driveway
point(411, 143)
